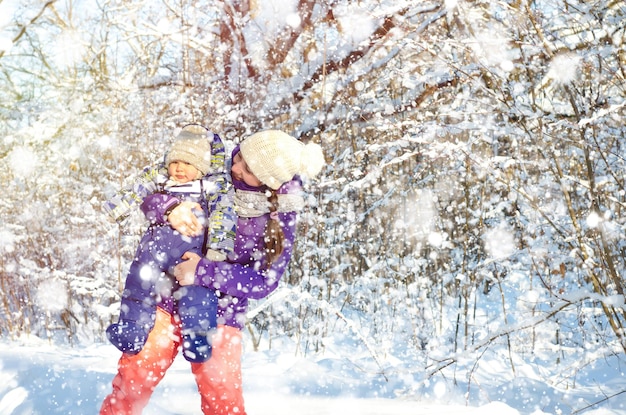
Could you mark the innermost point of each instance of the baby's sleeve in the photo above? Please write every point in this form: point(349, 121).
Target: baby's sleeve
point(125, 201)
point(222, 223)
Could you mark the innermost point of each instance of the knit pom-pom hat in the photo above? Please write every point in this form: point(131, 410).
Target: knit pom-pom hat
point(275, 157)
point(193, 146)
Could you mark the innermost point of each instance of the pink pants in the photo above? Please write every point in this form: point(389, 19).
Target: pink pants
point(218, 379)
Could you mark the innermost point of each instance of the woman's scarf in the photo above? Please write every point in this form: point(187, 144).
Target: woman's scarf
point(253, 204)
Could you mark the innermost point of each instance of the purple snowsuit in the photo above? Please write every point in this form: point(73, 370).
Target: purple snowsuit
point(243, 275)
point(160, 249)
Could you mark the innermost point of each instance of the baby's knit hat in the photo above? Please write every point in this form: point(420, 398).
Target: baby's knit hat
point(193, 146)
point(275, 157)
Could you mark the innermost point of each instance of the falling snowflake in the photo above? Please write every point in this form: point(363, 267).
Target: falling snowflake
point(499, 242)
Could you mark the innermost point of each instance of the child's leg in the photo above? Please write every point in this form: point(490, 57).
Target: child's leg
point(139, 374)
point(138, 306)
point(197, 311)
point(219, 378)
point(159, 251)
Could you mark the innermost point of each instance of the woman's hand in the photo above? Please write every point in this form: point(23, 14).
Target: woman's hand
point(183, 220)
point(185, 272)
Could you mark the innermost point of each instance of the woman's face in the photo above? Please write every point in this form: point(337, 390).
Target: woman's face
point(240, 171)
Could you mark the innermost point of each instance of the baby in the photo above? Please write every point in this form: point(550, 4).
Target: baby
point(195, 173)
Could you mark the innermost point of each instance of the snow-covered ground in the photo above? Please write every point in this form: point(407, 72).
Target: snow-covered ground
point(36, 378)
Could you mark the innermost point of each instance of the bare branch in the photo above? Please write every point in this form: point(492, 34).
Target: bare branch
point(33, 20)
point(279, 51)
point(333, 66)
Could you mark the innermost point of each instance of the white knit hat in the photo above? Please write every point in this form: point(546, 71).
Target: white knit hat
point(192, 146)
point(274, 157)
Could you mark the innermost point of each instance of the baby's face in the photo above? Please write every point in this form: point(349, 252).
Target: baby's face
point(182, 172)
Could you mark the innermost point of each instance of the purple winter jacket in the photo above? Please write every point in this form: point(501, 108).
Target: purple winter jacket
point(243, 275)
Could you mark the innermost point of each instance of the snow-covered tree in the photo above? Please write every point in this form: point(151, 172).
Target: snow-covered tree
point(474, 188)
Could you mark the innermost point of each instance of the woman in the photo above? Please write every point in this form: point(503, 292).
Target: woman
point(267, 200)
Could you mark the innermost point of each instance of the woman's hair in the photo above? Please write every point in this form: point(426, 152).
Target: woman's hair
point(274, 236)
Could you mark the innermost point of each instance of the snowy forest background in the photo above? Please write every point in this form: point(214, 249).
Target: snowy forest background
point(473, 201)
